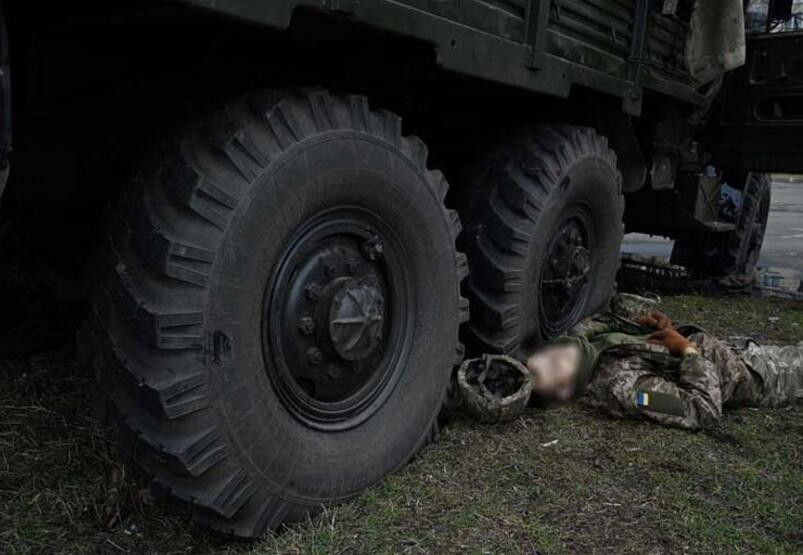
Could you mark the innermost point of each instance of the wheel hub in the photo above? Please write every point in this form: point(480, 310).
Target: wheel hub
point(355, 320)
point(566, 275)
point(335, 317)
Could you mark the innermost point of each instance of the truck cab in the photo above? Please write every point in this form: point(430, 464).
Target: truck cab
point(761, 121)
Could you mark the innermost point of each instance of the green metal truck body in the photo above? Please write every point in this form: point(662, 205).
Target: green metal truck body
point(616, 47)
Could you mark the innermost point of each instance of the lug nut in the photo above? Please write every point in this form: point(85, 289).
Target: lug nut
point(313, 292)
point(353, 266)
point(372, 248)
point(334, 373)
point(306, 325)
point(331, 269)
point(314, 355)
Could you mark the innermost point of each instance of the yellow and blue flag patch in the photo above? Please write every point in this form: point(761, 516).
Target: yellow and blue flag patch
point(642, 399)
point(655, 401)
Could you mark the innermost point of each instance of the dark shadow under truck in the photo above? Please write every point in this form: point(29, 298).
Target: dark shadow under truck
point(279, 281)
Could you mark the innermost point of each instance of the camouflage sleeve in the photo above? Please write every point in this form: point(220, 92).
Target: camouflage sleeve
point(633, 389)
point(631, 306)
point(588, 328)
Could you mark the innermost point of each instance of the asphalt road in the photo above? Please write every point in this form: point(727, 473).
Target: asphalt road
point(783, 243)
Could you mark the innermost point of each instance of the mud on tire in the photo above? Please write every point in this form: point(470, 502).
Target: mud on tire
point(544, 250)
point(196, 337)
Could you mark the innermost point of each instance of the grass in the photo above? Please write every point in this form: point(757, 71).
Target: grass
point(558, 480)
point(764, 318)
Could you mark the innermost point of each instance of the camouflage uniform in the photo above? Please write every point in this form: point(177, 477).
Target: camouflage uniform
point(633, 378)
point(632, 306)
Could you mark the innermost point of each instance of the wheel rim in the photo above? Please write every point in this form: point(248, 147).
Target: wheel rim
point(337, 319)
point(564, 284)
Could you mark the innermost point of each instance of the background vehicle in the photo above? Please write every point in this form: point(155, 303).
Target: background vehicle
point(274, 259)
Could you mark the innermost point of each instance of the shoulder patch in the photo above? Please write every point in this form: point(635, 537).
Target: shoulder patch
point(655, 401)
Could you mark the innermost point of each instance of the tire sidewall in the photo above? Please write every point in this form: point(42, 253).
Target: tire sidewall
point(590, 184)
point(285, 456)
point(758, 192)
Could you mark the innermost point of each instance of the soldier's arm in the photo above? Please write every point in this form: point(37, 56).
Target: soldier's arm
point(588, 328)
point(694, 402)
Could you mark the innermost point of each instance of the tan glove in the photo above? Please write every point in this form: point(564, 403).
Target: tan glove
point(673, 341)
point(655, 320)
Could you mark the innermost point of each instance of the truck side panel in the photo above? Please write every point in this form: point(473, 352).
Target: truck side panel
point(503, 18)
point(618, 47)
point(594, 33)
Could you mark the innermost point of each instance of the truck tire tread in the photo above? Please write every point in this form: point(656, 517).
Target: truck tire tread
point(148, 320)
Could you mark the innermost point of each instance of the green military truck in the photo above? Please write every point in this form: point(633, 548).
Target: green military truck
point(262, 200)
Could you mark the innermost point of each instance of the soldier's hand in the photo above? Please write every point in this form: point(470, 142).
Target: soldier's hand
point(671, 339)
point(655, 320)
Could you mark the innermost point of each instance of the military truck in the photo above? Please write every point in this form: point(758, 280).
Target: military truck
point(261, 202)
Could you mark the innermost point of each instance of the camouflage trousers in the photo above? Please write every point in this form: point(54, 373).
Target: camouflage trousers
point(780, 368)
point(754, 374)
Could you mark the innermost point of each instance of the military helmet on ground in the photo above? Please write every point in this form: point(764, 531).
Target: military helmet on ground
point(494, 388)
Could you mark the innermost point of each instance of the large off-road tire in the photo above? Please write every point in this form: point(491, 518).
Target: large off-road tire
point(731, 255)
point(281, 320)
point(544, 248)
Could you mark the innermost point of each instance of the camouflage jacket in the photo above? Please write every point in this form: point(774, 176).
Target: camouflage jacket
point(633, 378)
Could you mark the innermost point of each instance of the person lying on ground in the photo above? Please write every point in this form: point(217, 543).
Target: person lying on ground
point(639, 366)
